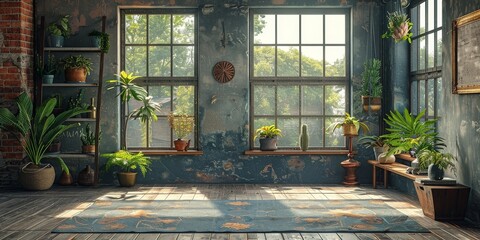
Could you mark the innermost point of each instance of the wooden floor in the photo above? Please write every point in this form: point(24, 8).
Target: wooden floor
point(32, 215)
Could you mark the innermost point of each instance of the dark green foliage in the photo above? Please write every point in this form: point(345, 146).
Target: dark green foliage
point(77, 62)
point(60, 28)
point(371, 85)
point(88, 136)
point(104, 40)
point(127, 161)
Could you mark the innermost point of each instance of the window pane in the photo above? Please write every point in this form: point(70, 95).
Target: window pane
point(183, 29)
point(184, 100)
point(290, 131)
point(335, 62)
point(439, 48)
point(431, 50)
point(335, 29)
point(335, 139)
point(159, 29)
point(334, 100)
point(312, 61)
point(264, 29)
point(136, 134)
point(314, 130)
point(288, 100)
point(312, 29)
point(414, 18)
point(264, 63)
point(422, 53)
point(414, 97)
point(288, 61)
point(439, 13)
point(159, 61)
point(431, 14)
point(264, 100)
point(162, 95)
point(161, 133)
point(288, 29)
point(422, 16)
point(136, 60)
point(312, 100)
point(431, 97)
point(183, 61)
point(414, 55)
point(421, 96)
point(135, 29)
point(259, 122)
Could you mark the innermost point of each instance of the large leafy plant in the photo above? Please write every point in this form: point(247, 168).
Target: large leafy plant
point(77, 62)
point(371, 85)
point(38, 130)
point(61, 27)
point(127, 161)
point(407, 132)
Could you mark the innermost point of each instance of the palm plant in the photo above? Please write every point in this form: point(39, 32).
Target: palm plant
point(442, 160)
point(127, 161)
point(38, 129)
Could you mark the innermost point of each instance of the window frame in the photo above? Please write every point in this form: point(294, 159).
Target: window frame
point(170, 81)
point(301, 80)
point(424, 76)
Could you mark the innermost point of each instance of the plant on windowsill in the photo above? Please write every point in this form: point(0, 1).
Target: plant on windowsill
point(100, 40)
point(350, 125)
point(399, 27)
point(436, 162)
point(268, 137)
point(146, 112)
point(58, 31)
point(88, 139)
point(77, 68)
point(128, 162)
point(36, 132)
point(371, 86)
point(182, 125)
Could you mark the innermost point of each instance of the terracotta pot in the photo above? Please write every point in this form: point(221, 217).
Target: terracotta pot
point(76, 75)
point(268, 144)
point(65, 179)
point(181, 145)
point(372, 103)
point(86, 177)
point(349, 129)
point(88, 149)
point(127, 179)
point(33, 177)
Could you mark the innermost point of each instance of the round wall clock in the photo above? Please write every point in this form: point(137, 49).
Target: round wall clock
point(223, 71)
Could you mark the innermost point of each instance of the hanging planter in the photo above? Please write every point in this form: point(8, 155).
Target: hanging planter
point(399, 27)
point(371, 86)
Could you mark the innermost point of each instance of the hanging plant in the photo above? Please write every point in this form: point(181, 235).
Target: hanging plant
point(399, 27)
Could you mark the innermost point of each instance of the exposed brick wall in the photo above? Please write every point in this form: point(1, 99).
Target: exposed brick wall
point(16, 64)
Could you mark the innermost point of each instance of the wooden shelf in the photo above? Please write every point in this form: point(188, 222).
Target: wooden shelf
point(70, 85)
point(81, 120)
point(296, 152)
point(70, 155)
point(72, 49)
point(168, 152)
point(405, 156)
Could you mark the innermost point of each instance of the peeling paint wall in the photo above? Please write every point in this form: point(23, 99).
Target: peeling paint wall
point(224, 124)
point(460, 117)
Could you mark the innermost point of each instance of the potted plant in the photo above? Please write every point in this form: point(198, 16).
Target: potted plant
point(76, 102)
point(376, 142)
point(47, 69)
point(128, 162)
point(88, 140)
point(182, 126)
point(399, 27)
point(146, 112)
point(77, 68)
point(36, 132)
point(350, 125)
point(100, 40)
point(437, 162)
point(268, 137)
point(371, 86)
point(58, 31)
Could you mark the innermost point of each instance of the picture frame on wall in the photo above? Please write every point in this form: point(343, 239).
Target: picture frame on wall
point(466, 54)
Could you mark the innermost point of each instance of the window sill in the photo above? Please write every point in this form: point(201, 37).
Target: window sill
point(169, 152)
point(296, 152)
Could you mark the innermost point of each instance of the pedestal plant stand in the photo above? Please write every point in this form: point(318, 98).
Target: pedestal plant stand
point(350, 165)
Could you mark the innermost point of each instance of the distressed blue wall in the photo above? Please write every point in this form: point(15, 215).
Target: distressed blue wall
point(460, 121)
point(224, 125)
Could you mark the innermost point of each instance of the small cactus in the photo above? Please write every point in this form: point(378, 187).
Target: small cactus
point(304, 138)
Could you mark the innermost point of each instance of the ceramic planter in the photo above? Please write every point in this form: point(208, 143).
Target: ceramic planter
point(268, 144)
point(435, 173)
point(37, 178)
point(384, 159)
point(373, 104)
point(127, 179)
point(377, 151)
point(56, 41)
point(88, 149)
point(95, 41)
point(76, 75)
point(47, 79)
point(181, 145)
point(65, 179)
point(349, 129)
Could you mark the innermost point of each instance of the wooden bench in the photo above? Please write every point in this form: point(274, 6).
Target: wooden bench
point(397, 168)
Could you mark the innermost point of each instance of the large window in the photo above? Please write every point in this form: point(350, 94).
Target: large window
point(426, 57)
point(299, 72)
point(160, 46)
